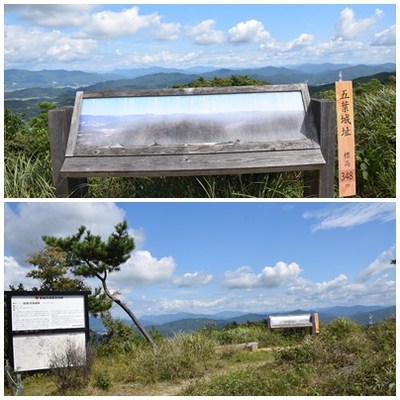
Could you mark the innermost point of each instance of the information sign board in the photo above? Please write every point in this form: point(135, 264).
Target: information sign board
point(42, 324)
point(39, 312)
point(34, 352)
point(195, 131)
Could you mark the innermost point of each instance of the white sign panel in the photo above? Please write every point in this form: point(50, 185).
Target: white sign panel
point(38, 312)
point(35, 352)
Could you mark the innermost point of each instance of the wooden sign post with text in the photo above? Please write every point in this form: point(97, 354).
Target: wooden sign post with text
point(345, 126)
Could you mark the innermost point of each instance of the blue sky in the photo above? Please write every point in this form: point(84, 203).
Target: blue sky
point(105, 37)
point(206, 257)
point(198, 104)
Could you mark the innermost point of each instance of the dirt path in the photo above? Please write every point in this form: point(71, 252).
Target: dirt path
point(173, 389)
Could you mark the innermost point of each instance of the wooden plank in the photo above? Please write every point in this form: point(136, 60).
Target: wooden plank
point(321, 183)
point(229, 147)
point(59, 127)
point(194, 91)
point(194, 164)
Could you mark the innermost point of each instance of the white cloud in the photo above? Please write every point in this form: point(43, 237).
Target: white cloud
point(304, 40)
point(14, 274)
point(352, 214)
point(23, 229)
point(167, 32)
point(142, 269)
point(378, 266)
point(385, 38)
point(52, 15)
point(164, 57)
point(348, 28)
point(248, 32)
point(196, 279)
point(306, 288)
point(50, 47)
point(270, 277)
point(204, 34)
point(109, 24)
point(199, 305)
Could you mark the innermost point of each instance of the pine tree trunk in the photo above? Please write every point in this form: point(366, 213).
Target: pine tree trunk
point(130, 313)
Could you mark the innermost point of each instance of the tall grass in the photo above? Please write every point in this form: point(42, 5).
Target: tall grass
point(272, 185)
point(27, 177)
point(344, 359)
point(375, 123)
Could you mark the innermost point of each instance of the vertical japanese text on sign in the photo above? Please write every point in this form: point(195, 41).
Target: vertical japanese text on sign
point(345, 126)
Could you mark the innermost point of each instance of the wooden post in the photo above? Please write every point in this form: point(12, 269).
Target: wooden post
point(10, 387)
point(19, 385)
point(321, 183)
point(316, 323)
point(59, 125)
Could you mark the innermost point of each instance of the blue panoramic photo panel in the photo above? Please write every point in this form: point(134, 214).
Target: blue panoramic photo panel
point(191, 119)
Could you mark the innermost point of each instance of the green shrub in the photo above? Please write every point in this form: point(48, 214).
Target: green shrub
point(103, 380)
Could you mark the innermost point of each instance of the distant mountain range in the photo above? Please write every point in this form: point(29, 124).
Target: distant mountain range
point(313, 74)
point(24, 89)
point(187, 322)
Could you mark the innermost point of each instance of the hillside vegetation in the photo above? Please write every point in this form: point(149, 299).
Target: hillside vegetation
point(28, 162)
point(343, 359)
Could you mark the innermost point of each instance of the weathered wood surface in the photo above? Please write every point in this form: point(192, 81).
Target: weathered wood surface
point(321, 183)
point(194, 91)
point(59, 127)
point(194, 164)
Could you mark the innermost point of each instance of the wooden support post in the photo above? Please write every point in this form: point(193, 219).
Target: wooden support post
point(10, 386)
point(19, 385)
point(316, 323)
point(59, 125)
point(321, 183)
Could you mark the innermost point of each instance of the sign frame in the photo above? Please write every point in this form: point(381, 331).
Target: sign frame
point(201, 158)
point(46, 325)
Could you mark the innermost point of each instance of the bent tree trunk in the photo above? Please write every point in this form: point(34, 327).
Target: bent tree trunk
point(129, 312)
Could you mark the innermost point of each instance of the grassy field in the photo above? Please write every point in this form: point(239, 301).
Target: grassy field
point(344, 359)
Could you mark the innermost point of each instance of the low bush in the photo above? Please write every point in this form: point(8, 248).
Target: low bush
point(72, 367)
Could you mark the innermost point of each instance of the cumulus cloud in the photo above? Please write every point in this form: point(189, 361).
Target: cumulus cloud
point(24, 227)
point(167, 32)
point(339, 291)
point(385, 38)
point(52, 15)
point(352, 214)
point(348, 28)
point(270, 277)
point(196, 279)
point(247, 32)
point(378, 266)
point(297, 44)
point(110, 24)
point(50, 47)
point(14, 274)
point(142, 269)
point(204, 34)
point(307, 288)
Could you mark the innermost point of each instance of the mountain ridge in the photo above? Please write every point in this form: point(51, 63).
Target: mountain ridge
point(187, 322)
point(313, 73)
